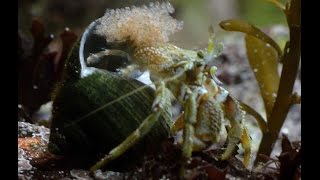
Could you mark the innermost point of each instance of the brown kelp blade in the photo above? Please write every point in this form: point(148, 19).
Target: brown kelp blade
point(242, 26)
point(263, 55)
point(263, 61)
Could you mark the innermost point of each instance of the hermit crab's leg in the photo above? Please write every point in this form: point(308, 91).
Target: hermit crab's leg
point(235, 116)
point(214, 50)
point(96, 57)
point(178, 124)
point(129, 141)
point(162, 100)
point(190, 115)
point(246, 141)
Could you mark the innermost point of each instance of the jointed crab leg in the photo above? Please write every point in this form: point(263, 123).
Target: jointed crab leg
point(235, 134)
point(178, 124)
point(132, 139)
point(246, 141)
point(161, 101)
point(97, 57)
point(190, 116)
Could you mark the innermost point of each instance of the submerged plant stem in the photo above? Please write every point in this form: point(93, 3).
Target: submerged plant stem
point(291, 60)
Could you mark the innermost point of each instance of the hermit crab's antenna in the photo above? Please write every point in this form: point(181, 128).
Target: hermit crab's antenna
point(214, 50)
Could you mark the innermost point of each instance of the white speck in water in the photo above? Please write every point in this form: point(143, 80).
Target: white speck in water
point(268, 45)
point(51, 36)
point(77, 71)
point(67, 29)
point(19, 106)
point(255, 50)
point(35, 87)
point(255, 70)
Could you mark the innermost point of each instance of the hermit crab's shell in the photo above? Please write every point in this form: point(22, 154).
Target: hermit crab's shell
point(84, 90)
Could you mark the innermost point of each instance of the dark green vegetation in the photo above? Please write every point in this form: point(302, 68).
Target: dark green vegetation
point(39, 68)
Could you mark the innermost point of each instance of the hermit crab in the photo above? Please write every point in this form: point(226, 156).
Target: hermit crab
point(139, 37)
point(88, 119)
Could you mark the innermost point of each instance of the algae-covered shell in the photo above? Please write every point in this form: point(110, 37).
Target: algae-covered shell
point(83, 125)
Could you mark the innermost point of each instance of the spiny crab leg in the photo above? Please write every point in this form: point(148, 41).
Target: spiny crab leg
point(237, 131)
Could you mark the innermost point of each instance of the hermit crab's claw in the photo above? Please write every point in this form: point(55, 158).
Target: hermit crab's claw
point(214, 50)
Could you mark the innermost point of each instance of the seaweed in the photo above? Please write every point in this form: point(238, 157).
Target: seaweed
point(264, 56)
point(39, 67)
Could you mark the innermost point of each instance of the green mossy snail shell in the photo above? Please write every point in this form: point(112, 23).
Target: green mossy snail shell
point(85, 89)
